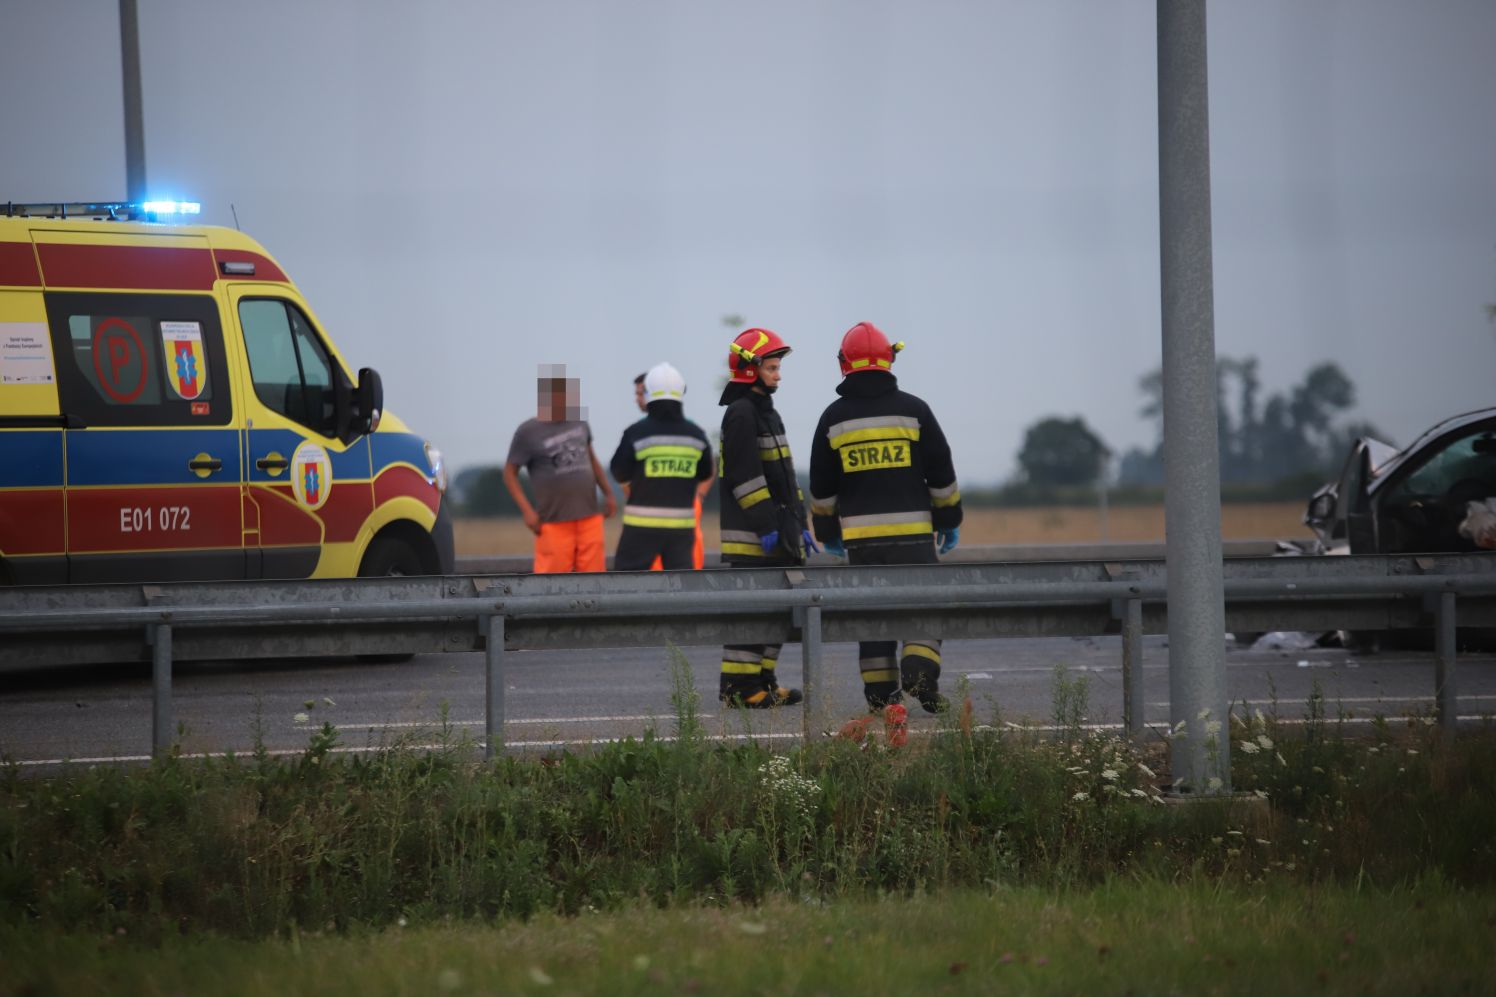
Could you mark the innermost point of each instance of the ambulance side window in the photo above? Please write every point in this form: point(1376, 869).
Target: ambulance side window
point(291, 371)
point(139, 359)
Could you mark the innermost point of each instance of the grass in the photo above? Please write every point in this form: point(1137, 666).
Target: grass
point(725, 868)
point(1124, 935)
point(981, 527)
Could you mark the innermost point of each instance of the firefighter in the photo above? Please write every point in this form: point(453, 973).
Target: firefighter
point(660, 462)
point(763, 510)
point(883, 491)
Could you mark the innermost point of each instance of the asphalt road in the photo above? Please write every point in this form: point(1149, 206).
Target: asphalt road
point(557, 699)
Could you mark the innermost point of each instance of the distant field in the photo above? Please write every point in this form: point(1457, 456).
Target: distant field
point(983, 527)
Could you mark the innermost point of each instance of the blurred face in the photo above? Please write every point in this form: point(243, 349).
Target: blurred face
point(768, 372)
point(550, 399)
point(639, 397)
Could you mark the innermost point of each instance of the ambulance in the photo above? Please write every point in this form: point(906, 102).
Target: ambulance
point(172, 410)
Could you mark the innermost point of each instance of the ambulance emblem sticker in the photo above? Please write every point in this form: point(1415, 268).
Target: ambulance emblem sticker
point(311, 475)
point(186, 365)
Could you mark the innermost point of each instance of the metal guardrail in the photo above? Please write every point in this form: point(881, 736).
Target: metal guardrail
point(45, 627)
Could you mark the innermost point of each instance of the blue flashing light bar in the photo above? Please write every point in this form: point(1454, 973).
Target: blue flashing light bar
point(171, 207)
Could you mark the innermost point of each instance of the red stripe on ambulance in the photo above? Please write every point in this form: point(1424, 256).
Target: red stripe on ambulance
point(122, 519)
point(18, 265)
point(145, 268)
point(394, 482)
point(31, 521)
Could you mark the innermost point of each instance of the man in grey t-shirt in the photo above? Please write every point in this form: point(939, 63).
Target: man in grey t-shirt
point(555, 449)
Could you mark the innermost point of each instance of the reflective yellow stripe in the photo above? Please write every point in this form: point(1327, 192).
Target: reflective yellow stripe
point(882, 675)
point(920, 651)
point(776, 454)
point(885, 530)
point(752, 550)
point(874, 433)
point(741, 668)
point(668, 524)
point(954, 498)
point(859, 364)
point(666, 450)
point(753, 498)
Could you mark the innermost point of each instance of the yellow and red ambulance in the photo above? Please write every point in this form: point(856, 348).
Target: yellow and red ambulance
point(170, 410)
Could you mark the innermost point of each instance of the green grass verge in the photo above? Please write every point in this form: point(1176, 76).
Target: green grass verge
point(1137, 936)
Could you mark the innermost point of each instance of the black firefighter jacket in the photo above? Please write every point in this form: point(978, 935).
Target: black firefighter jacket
point(661, 458)
point(759, 490)
point(880, 468)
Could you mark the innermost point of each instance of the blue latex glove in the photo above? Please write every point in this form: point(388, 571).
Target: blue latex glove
point(947, 539)
point(835, 548)
point(769, 542)
point(809, 541)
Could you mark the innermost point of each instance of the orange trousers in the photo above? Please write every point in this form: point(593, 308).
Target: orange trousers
point(698, 553)
point(575, 545)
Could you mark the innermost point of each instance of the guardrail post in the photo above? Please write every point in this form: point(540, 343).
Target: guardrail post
point(158, 636)
point(1446, 698)
point(493, 683)
point(1133, 704)
point(817, 696)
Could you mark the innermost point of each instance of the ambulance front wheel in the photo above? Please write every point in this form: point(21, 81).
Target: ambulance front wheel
point(388, 557)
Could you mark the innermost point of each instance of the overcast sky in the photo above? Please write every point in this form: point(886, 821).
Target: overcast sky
point(466, 190)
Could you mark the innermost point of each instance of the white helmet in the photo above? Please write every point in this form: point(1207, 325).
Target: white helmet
point(663, 382)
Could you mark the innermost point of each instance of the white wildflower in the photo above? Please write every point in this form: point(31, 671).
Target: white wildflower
point(1281, 760)
point(1203, 714)
point(1139, 793)
point(1412, 751)
point(1235, 834)
point(1250, 747)
point(1109, 774)
point(1212, 728)
point(1262, 841)
point(1215, 782)
point(1081, 796)
point(1147, 771)
point(328, 701)
point(301, 718)
point(540, 977)
point(1265, 742)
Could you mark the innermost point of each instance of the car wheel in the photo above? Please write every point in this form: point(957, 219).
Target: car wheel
point(387, 558)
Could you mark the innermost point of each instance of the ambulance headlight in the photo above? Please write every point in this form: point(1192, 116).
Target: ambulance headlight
point(438, 466)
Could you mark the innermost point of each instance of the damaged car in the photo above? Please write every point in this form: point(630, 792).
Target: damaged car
point(1429, 497)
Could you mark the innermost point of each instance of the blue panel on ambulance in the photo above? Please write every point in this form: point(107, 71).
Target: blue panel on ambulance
point(349, 465)
point(396, 448)
point(30, 458)
point(148, 456)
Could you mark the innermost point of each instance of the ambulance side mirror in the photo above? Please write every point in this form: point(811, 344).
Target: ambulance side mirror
point(368, 401)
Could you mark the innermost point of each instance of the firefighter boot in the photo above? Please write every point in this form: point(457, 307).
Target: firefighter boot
point(919, 670)
point(781, 695)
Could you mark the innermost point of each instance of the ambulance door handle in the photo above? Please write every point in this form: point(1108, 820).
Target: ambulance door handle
point(272, 464)
point(204, 464)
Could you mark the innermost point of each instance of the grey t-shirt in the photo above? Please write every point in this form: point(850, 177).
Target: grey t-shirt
point(556, 454)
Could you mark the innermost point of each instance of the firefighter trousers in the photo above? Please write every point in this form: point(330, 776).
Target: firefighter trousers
point(639, 546)
point(885, 668)
point(749, 670)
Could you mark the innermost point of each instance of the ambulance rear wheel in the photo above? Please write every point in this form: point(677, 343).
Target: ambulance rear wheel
point(386, 558)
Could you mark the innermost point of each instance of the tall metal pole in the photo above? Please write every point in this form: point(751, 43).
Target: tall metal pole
point(1192, 496)
point(129, 44)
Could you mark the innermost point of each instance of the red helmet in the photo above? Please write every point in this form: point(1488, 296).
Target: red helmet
point(864, 347)
point(751, 348)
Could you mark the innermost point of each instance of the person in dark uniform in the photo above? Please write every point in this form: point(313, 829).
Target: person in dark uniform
point(660, 461)
point(883, 491)
point(763, 510)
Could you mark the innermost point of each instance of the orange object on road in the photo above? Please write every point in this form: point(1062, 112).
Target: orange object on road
point(574, 545)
